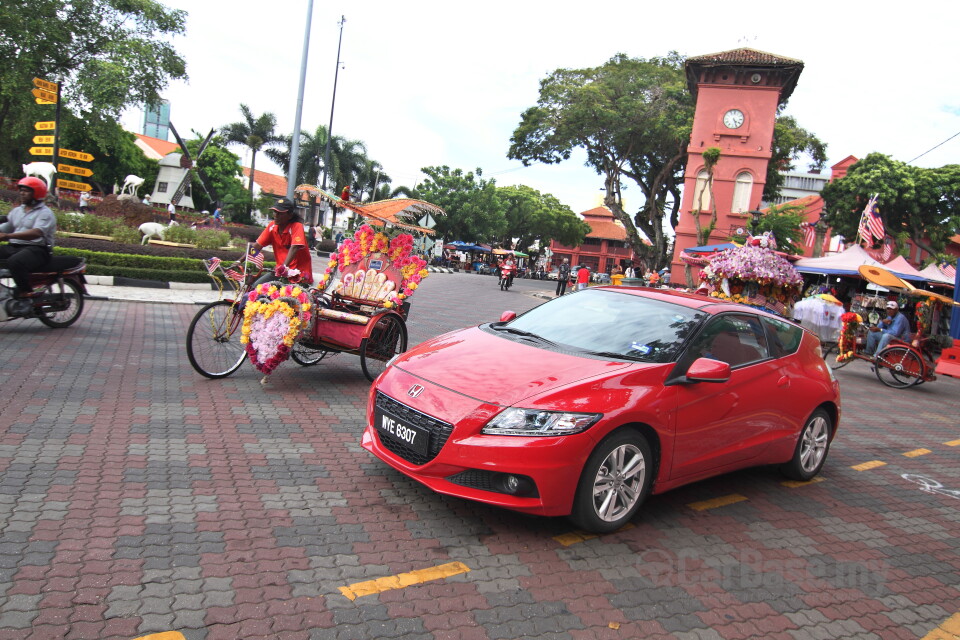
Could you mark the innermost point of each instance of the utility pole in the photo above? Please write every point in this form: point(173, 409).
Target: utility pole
point(333, 102)
point(295, 143)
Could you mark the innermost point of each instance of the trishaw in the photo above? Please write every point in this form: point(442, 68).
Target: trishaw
point(901, 363)
point(359, 306)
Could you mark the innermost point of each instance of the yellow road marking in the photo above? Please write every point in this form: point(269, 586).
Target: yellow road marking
point(952, 443)
point(567, 539)
point(949, 629)
point(166, 635)
point(873, 464)
point(801, 483)
point(917, 452)
point(717, 502)
point(402, 580)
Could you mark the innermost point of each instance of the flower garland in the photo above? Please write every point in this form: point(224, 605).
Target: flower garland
point(848, 336)
point(272, 319)
point(752, 275)
point(924, 316)
point(399, 250)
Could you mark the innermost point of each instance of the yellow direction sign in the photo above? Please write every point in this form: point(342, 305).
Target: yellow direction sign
point(41, 101)
point(47, 125)
point(77, 171)
point(41, 151)
point(45, 85)
point(43, 139)
point(76, 155)
point(70, 184)
point(44, 95)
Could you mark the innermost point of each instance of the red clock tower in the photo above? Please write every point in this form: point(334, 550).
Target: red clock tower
point(737, 94)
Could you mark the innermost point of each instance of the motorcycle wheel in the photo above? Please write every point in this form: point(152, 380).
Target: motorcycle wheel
point(64, 317)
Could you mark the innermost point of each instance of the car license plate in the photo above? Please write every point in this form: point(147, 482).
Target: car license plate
point(395, 429)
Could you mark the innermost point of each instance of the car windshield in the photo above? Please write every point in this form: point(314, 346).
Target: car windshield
point(613, 324)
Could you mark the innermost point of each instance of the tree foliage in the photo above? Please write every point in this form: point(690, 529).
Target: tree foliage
point(107, 55)
point(222, 178)
point(255, 133)
point(475, 211)
point(916, 203)
point(115, 155)
point(790, 143)
point(535, 218)
point(632, 117)
point(784, 222)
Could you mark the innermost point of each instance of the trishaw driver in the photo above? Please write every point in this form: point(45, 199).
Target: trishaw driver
point(895, 325)
point(289, 241)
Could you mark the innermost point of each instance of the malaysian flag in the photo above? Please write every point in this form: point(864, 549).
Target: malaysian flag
point(887, 250)
point(234, 275)
point(809, 233)
point(871, 224)
point(256, 260)
point(212, 264)
point(949, 270)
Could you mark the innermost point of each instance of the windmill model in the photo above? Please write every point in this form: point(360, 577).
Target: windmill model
point(187, 164)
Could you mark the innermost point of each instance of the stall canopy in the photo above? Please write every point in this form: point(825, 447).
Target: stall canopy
point(459, 245)
point(845, 264)
point(934, 274)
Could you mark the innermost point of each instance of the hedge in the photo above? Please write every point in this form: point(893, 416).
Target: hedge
point(100, 263)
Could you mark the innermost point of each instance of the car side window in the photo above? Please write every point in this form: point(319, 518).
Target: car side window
point(734, 339)
point(784, 337)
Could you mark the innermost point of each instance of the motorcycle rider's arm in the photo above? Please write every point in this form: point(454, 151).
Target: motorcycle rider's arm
point(29, 234)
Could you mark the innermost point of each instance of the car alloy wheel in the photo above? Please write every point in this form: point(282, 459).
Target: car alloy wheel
point(812, 447)
point(614, 483)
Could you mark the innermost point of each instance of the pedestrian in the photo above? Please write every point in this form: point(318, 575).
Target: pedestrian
point(654, 279)
point(146, 200)
point(29, 232)
point(583, 278)
point(85, 202)
point(172, 210)
point(339, 239)
point(895, 325)
point(218, 217)
point(630, 272)
point(563, 276)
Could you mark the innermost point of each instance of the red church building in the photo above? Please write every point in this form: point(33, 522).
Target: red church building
point(604, 247)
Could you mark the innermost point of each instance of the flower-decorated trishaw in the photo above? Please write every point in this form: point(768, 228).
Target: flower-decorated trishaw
point(755, 275)
point(902, 363)
point(359, 306)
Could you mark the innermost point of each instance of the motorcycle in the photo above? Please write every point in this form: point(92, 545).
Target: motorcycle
point(506, 278)
point(59, 291)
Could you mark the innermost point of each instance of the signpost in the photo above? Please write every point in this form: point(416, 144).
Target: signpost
point(77, 171)
point(45, 85)
point(70, 184)
point(46, 125)
point(41, 151)
point(76, 155)
point(40, 94)
point(42, 139)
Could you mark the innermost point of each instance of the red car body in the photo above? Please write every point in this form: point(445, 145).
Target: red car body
point(459, 381)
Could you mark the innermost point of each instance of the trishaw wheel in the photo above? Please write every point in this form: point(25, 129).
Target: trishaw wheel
point(213, 340)
point(830, 356)
point(387, 339)
point(899, 367)
point(67, 316)
point(306, 356)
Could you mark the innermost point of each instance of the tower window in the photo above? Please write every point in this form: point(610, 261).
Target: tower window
point(741, 192)
point(701, 194)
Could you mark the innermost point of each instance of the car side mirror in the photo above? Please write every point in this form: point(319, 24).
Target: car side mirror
point(507, 316)
point(708, 370)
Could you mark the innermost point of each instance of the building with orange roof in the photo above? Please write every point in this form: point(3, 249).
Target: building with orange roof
point(604, 247)
point(155, 148)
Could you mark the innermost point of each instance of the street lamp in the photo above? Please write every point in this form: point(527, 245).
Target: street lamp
point(756, 214)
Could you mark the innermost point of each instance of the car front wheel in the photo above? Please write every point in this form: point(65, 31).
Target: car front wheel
point(614, 483)
point(812, 448)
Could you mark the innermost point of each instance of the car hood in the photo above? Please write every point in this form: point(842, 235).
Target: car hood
point(498, 370)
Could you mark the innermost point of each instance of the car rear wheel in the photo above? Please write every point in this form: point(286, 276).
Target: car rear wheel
point(614, 483)
point(812, 448)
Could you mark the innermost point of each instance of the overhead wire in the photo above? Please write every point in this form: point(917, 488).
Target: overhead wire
point(939, 145)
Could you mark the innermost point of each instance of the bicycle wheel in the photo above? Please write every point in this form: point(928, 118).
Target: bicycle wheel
point(66, 316)
point(898, 367)
point(830, 357)
point(213, 340)
point(305, 356)
point(388, 338)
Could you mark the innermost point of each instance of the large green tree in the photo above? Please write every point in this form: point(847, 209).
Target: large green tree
point(222, 179)
point(534, 219)
point(475, 211)
point(115, 155)
point(632, 117)
point(254, 133)
point(916, 203)
point(107, 55)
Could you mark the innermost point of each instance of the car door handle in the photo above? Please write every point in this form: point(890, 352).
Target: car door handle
point(784, 381)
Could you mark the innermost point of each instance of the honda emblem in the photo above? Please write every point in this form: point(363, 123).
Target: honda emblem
point(415, 391)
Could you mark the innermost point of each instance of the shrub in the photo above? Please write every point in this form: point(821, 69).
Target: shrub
point(127, 235)
point(211, 239)
point(181, 234)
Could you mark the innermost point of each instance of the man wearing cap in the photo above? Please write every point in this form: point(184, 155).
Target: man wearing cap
point(895, 325)
point(288, 239)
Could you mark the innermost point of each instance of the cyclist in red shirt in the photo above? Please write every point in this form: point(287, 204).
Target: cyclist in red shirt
point(289, 241)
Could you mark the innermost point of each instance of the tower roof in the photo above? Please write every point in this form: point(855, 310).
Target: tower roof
point(744, 62)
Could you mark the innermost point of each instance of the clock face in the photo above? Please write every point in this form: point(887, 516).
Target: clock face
point(733, 118)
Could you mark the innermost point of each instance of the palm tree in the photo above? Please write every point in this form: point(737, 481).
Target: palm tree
point(254, 133)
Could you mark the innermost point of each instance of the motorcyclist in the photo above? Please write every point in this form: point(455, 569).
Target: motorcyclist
point(507, 268)
point(29, 232)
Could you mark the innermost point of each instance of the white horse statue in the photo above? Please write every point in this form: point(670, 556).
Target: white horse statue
point(131, 184)
point(152, 230)
point(44, 170)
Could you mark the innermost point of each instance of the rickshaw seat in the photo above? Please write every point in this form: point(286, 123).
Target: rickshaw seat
point(343, 316)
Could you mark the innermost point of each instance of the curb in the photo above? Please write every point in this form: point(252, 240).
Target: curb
point(119, 281)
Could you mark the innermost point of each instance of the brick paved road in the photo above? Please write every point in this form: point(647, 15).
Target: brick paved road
point(137, 497)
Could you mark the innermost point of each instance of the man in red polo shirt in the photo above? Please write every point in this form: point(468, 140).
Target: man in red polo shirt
point(288, 239)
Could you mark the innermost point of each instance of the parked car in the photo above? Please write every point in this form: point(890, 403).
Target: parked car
point(552, 274)
point(609, 396)
point(601, 278)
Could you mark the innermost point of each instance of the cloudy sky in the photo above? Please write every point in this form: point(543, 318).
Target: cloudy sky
point(433, 83)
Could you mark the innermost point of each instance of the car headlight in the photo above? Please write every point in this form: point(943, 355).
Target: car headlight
point(534, 422)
